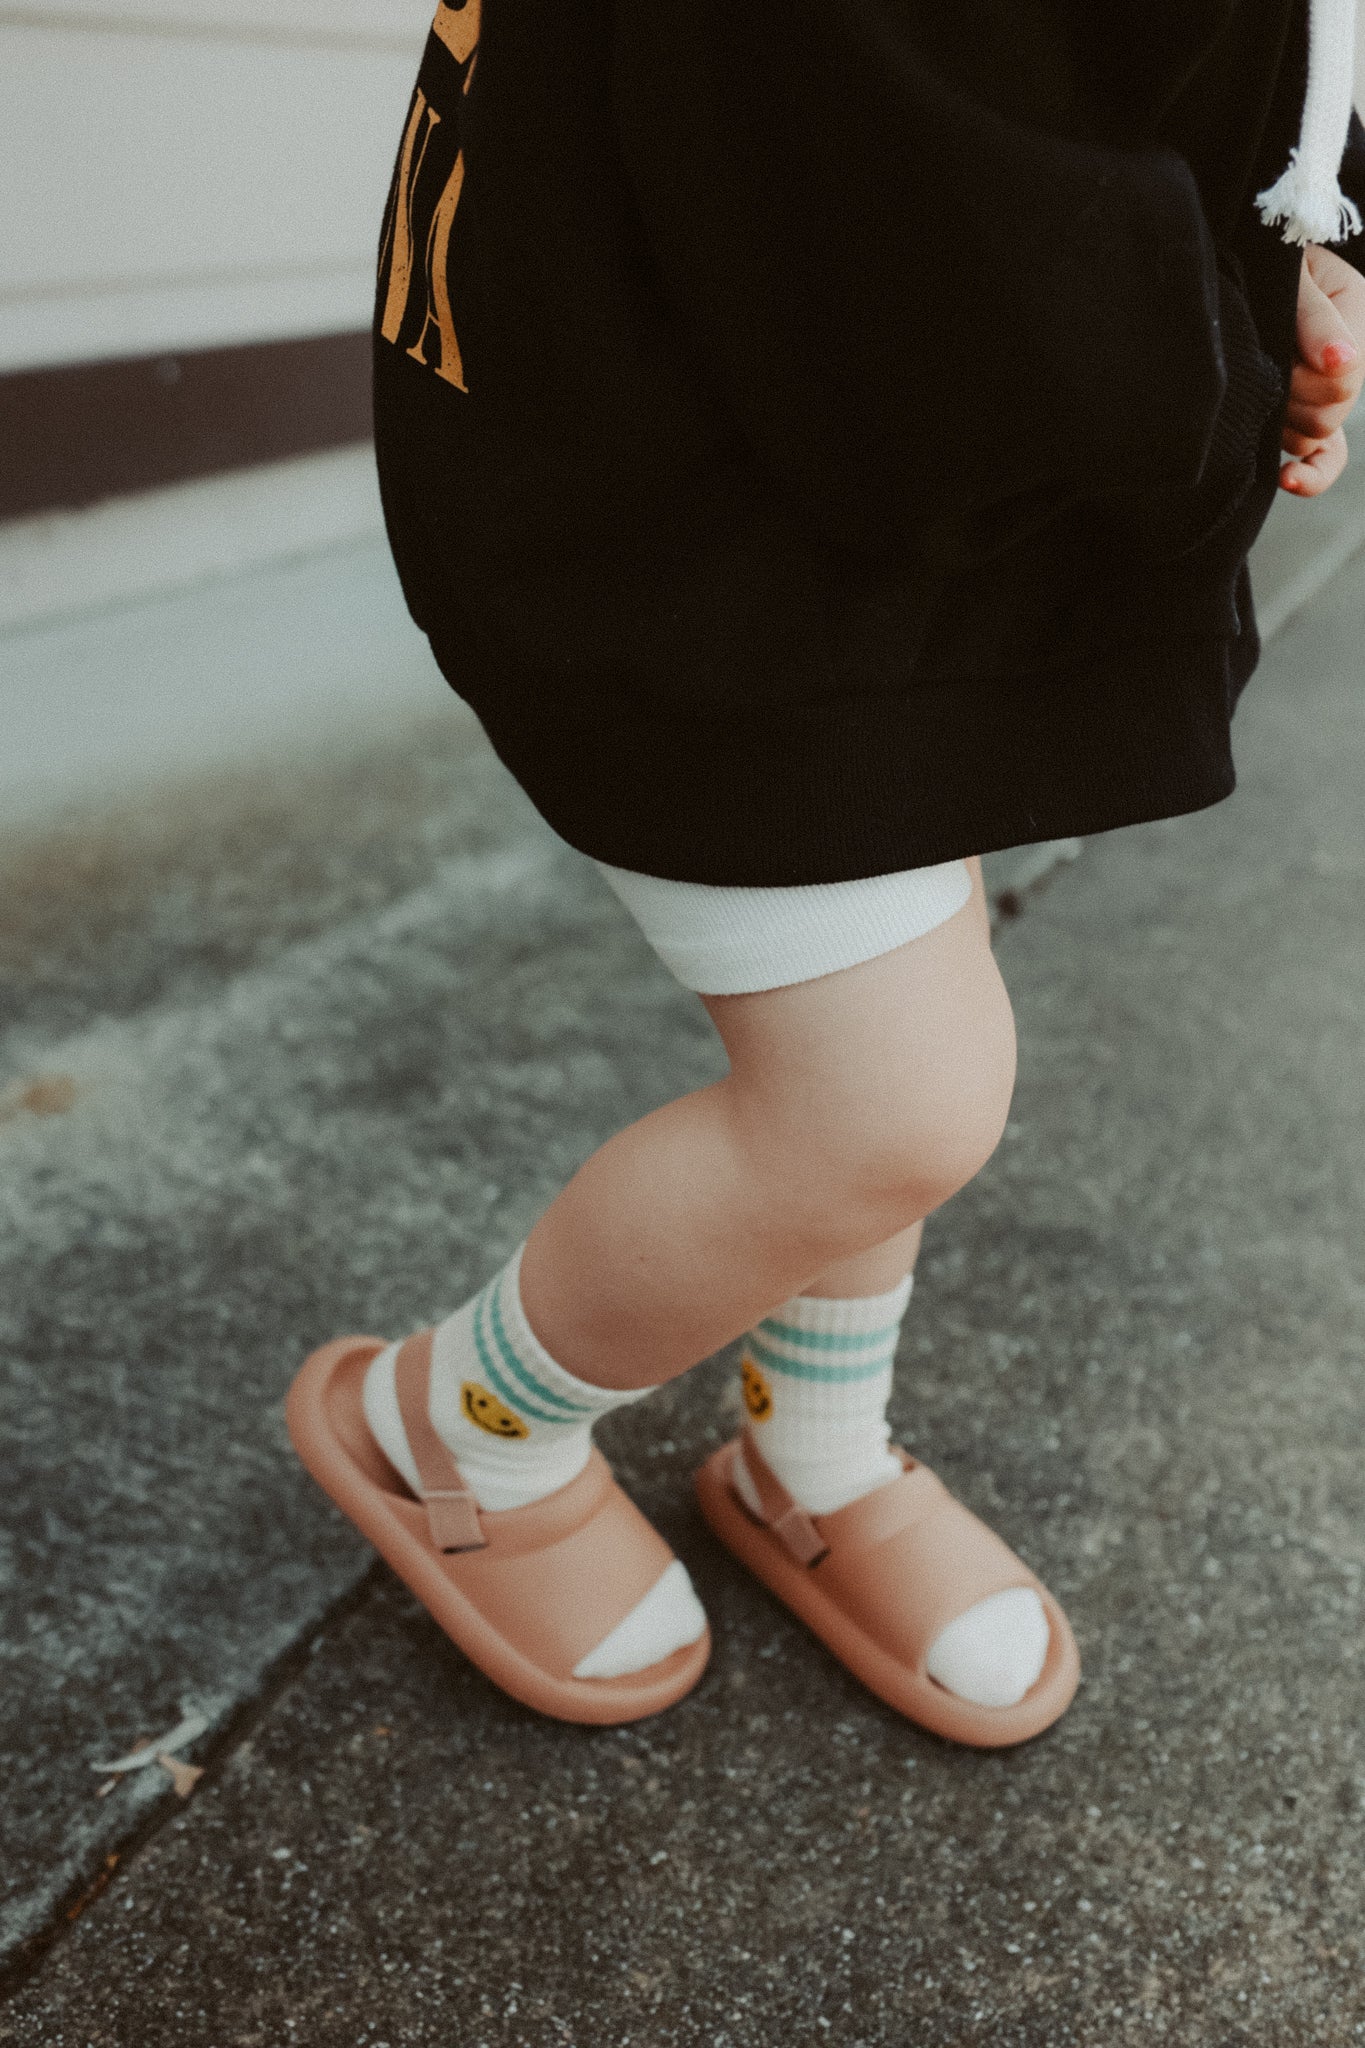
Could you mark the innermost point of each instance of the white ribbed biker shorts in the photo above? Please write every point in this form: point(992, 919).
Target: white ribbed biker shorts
point(732, 941)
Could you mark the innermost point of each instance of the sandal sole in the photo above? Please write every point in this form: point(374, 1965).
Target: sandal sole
point(919, 1698)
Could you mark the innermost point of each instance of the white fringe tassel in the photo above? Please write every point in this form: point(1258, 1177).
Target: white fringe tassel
point(1314, 208)
point(1307, 196)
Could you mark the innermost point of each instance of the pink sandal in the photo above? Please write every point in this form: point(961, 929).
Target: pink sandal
point(878, 1579)
point(526, 1593)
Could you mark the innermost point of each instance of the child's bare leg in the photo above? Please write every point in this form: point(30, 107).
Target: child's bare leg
point(875, 1271)
point(871, 1272)
point(785, 1205)
point(856, 1104)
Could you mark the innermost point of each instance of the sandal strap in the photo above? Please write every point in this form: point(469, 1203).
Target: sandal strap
point(783, 1513)
point(452, 1510)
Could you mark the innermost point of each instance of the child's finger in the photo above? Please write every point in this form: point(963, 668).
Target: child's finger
point(1311, 475)
point(1310, 429)
point(1325, 340)
point(1311, 387)
point(1306, 416)
point(1317, 421)
point(1318, 403)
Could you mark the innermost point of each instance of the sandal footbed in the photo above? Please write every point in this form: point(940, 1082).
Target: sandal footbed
point(910, 1691)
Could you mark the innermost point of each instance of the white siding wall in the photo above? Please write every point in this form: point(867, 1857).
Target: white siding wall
point(185, 173)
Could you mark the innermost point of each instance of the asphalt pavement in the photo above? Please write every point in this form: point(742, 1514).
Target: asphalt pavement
point(305, 1044)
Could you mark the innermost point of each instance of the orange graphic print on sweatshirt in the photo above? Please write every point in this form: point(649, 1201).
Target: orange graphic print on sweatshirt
point(410, 228)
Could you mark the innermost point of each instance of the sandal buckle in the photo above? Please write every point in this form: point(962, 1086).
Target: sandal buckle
point(453, 1516)
point(798, 1532)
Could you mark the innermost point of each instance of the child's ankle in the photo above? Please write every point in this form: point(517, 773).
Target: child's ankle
point(816, 1380)
point(517, 1423)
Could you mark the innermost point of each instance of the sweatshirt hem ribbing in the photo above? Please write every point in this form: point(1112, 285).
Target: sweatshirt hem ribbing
point(871, 785)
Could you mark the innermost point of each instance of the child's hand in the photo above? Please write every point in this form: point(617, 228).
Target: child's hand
point(1329, 372)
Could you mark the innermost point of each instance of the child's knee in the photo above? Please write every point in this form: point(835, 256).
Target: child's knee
point(886, 1128)
point(929, 1135)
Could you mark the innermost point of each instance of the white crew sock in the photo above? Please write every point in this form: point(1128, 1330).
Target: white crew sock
point(816, 1376)
point(519, 1427)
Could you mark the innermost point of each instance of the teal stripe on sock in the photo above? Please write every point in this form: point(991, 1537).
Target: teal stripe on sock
point(573, 1411)
point(504, 1390)
point(801, 1369)
point(826, 1340)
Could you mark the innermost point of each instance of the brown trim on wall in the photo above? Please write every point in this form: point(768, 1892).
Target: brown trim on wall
point(85, 431)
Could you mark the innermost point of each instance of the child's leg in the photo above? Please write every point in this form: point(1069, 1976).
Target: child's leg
point(817, 1399)
point(855, 1104)
point(887, 1264)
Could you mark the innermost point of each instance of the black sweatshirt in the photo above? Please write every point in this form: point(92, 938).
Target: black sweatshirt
point(820, 440)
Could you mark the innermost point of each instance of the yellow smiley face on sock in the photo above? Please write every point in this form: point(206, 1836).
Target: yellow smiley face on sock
point(486, 1411)
point(757, 1395)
